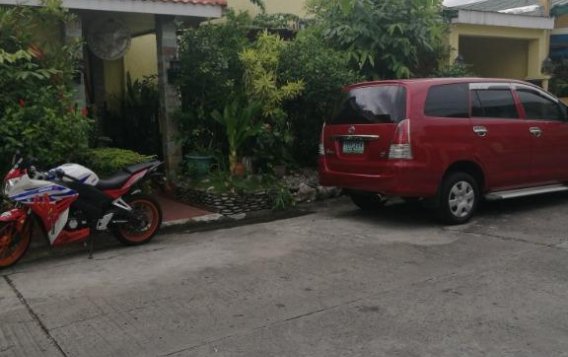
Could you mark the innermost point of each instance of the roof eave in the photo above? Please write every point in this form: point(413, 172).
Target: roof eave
point(135, 6)
point(505, 20)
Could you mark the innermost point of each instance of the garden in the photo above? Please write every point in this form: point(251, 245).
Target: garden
point(254, 97)
point(254, 94)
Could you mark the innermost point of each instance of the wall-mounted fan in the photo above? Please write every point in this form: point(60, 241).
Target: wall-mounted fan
point(108, 38)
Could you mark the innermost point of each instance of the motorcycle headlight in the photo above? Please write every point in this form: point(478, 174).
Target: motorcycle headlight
point(9, 186)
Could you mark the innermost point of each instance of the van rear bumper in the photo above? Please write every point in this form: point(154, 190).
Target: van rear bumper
point(402, 178)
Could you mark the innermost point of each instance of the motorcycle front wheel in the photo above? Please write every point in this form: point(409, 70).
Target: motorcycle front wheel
point(13, 244)
point(145, 223)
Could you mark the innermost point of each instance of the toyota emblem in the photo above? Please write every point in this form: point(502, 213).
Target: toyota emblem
point(351, 130)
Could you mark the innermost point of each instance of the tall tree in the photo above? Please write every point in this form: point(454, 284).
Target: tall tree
point(384, 38)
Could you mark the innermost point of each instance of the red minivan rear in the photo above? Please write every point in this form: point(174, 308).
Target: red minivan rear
point(365, 140)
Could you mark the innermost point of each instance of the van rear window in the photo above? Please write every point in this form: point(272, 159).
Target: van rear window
point(369, 105)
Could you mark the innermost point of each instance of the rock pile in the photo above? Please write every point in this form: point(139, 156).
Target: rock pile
point(304, 186)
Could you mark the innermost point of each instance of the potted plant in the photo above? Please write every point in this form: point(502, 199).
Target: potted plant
point(238, 119)
point(199, 142)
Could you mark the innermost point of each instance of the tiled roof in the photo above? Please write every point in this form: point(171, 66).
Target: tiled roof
point(195, 2)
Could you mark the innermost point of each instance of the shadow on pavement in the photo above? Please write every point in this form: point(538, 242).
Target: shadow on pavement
point(399, 213)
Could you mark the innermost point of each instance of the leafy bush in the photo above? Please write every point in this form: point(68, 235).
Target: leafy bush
point(211, 72)
point(384, 38)
point(41, 128)
point(210, 65)
point(37, 109)
point(263, 84)
point(324, 71)
point(108, 161)
point(559, 81)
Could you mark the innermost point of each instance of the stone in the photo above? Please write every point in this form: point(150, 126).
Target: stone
point(327, 192)
point(305, 193)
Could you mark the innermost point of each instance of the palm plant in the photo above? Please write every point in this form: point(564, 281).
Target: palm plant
point(238, 119)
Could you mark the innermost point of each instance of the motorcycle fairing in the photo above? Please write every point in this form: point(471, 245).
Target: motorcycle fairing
point(13, 215)
point(28, 190)
point(53, 215)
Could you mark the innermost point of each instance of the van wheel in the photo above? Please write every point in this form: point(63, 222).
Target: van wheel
point(368, 202)
point(459, 197)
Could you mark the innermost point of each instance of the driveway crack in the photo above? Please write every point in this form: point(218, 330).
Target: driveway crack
point(34, 316)
point(512, 239)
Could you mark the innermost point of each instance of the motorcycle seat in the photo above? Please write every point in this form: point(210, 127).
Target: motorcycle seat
point(132, 169)
point(114, 182)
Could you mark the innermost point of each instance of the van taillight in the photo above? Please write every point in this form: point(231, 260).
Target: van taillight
point(321, 148)
point(400, 148)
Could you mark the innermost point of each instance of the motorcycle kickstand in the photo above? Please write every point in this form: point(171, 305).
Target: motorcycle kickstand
point(92, 245)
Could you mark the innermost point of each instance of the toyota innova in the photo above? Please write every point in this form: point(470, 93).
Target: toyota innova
point(451, 142)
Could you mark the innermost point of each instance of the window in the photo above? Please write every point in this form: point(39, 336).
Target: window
point(538, 106)
point(493, 103)
point(368, 105)
point(448, 101)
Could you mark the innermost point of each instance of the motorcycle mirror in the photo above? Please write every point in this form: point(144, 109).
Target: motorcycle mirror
point(16, 157)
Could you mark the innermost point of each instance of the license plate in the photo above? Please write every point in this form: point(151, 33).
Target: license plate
point(353, 147)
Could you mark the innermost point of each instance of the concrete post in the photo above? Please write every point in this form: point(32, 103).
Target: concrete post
point(167, 45)
point(73, 32)
point(454, 42)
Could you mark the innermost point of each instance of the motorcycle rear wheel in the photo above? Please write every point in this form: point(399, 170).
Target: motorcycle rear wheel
point(150, 215)
point(13, 244)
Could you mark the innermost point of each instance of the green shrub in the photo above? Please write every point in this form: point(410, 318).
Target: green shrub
point(43, 129)
point(108, 161)
point(37, 109)
point(385, 39)
point(324, 71)
point(559, 81)
point(262, 83)
point(210, 67)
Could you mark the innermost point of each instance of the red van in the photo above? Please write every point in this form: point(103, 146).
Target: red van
point(452, 141)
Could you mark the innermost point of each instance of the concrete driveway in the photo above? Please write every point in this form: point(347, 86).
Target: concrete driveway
point(338, 282)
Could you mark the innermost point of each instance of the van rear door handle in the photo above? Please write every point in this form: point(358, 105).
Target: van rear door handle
point(535, 131)
point(480, 130)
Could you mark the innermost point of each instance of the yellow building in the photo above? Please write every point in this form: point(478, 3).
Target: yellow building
point(505, 39)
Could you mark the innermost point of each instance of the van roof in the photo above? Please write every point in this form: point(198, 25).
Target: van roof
point(428, 81)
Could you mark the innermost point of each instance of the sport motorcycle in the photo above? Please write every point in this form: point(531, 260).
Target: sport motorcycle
point(70, 204)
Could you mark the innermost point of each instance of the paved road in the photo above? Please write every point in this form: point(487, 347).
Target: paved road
point(338, 282)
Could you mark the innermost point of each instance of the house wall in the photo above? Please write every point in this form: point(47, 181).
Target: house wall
point(295, 7)
point(536, 51)
point(114, 83)
point(141, 59)
point(496, 57)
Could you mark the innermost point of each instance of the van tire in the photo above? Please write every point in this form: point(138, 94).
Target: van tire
point(367, 202)
point(458, 198)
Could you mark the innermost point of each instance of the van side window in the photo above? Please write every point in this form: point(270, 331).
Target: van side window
point(538, 106)
point(493, 103)
point(448, 101)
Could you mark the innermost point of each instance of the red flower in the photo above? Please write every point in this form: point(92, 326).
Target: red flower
point(85, 111)
point(21, 103)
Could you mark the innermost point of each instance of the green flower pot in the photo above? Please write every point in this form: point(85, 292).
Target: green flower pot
point(198, 165)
